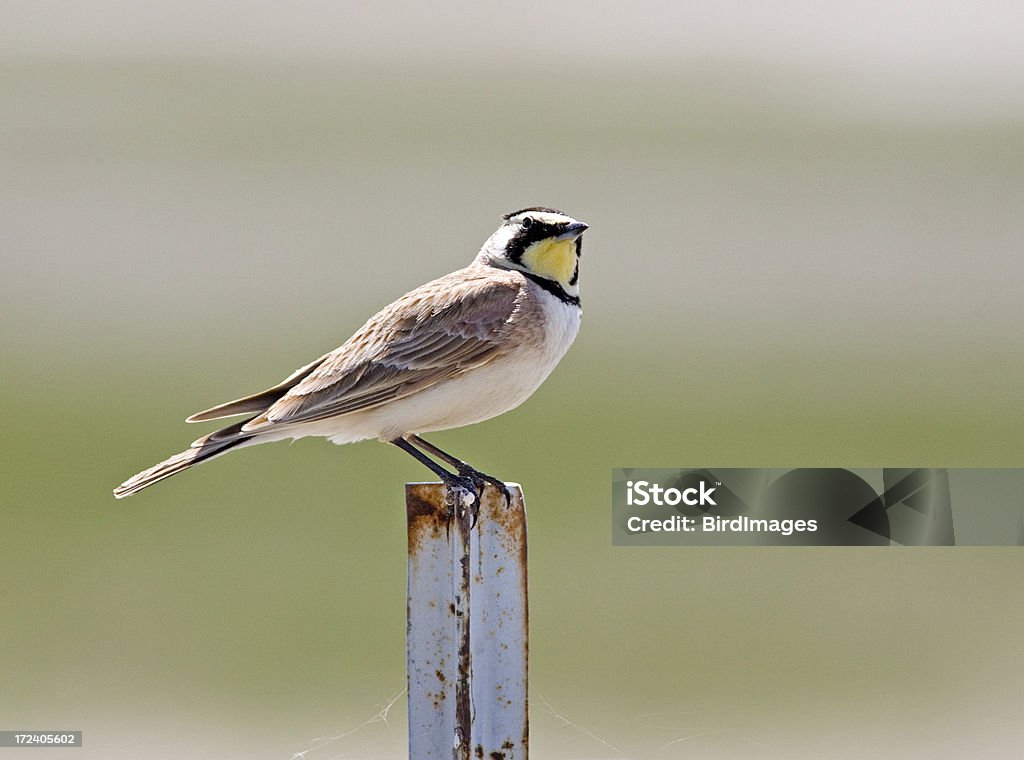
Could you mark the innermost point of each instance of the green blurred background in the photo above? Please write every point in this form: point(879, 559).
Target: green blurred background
point(805, 250)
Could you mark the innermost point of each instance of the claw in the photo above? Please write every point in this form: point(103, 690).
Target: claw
point(481, 477)
point(457, 484)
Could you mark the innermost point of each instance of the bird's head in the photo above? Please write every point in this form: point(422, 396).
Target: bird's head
point(541, 242)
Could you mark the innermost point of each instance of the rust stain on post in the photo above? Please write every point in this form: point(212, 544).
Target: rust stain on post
point(426, 512)
point(463, 520)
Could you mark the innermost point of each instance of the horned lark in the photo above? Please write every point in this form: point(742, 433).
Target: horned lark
point(461, 349)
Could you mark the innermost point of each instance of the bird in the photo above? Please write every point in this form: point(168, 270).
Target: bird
point(461, 349)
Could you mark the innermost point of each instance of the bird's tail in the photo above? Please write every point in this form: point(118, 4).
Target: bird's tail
point(205, 448)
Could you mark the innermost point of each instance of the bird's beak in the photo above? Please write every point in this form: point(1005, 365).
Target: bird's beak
point(573, 231)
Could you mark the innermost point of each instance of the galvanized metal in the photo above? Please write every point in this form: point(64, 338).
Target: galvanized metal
point(467, 625)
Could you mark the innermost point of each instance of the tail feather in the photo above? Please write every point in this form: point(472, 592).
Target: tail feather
point(201, 450)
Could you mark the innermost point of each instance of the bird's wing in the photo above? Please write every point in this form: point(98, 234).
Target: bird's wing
point(431, 334)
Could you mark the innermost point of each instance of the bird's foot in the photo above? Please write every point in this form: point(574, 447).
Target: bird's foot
point(481, 477)
point(463, 494)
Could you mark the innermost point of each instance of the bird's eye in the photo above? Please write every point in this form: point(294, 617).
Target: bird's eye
point(527, 222)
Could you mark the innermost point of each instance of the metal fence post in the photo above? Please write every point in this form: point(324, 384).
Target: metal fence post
point(467, 626)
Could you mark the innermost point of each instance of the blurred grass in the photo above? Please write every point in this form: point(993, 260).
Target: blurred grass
point(180, 235)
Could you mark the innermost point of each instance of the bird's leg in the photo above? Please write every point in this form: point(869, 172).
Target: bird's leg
point(451, 480)
point(464, 469)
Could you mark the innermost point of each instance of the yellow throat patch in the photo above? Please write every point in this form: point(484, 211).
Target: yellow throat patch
point(554, 259)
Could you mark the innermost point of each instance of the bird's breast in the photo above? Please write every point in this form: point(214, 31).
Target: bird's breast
point(561, 325)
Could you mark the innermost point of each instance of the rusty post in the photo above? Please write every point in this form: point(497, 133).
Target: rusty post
point(467, 626)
